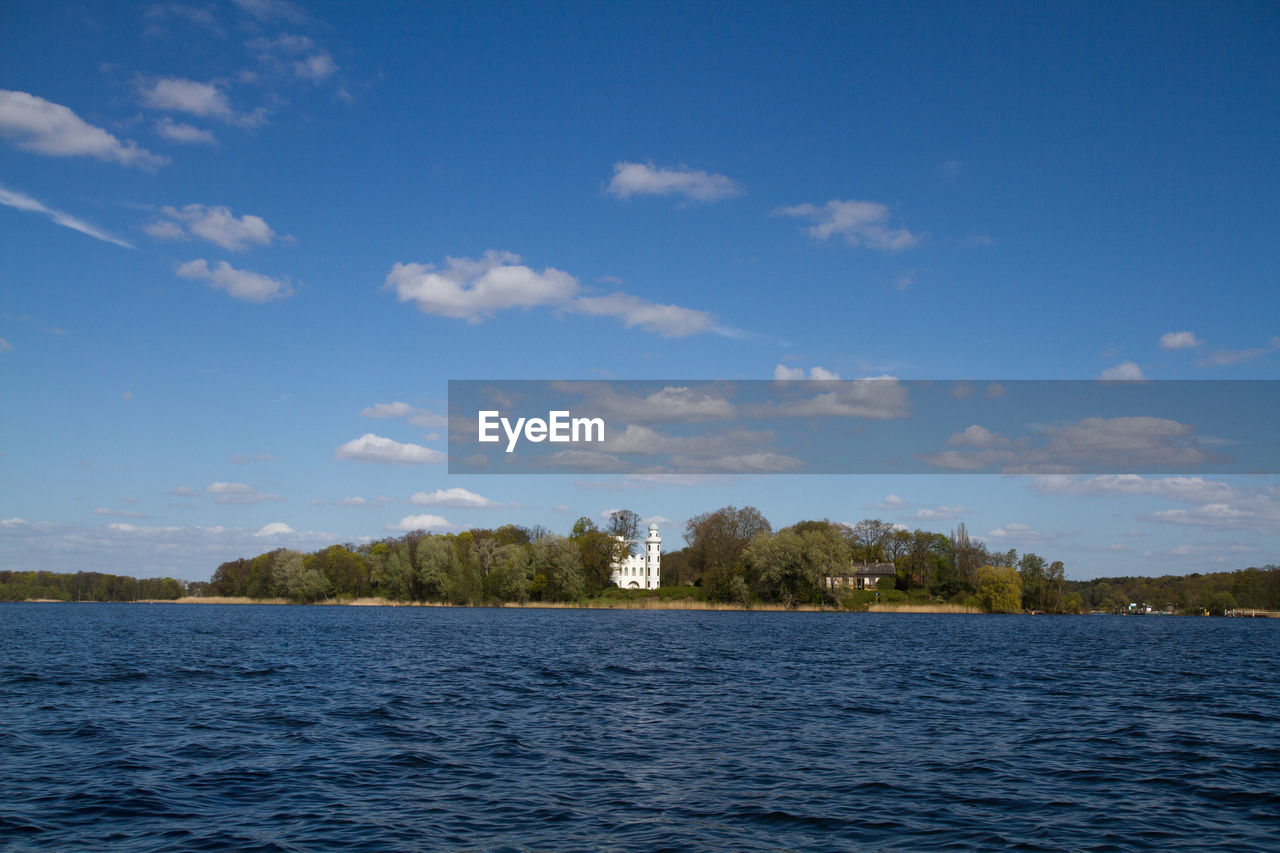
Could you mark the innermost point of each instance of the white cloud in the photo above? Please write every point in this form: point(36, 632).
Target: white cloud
point(1144, 439)
point(457, 497)
point(858, 223)
point(375, 448)
point(183, 492)
point(239, 493)
point(645, 179)
point(1179, 340)
point(420, 522)
point(1123, 372)
point(669, 404)
point(27, 204)
point(165, 230)
point(783, 373)
point(185, 133)
point(315, 67)
point(1187, 489)
point(205, 100)
point(475, 289)
point(217, 225)
point(668, 321)
point(397, 409)
point(48, 128)
point(1258, 513)
point(179, 551)
point(275, 528)
point(977, 437)
point(239, 284)
point(891, 502)
point(878, 398)
point(745, 463)
point(5, 346)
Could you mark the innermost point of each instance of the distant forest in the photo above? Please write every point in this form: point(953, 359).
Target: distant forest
point(733, 555)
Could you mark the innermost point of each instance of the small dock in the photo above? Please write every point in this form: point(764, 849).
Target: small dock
point(1249, 613)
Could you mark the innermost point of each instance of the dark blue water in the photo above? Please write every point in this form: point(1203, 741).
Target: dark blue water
point(172, 727)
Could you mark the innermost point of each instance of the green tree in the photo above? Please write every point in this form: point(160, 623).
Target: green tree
point(557, 569)
point(716, 542)
point(999, 589)
point(1032, 569)
point(295, 580)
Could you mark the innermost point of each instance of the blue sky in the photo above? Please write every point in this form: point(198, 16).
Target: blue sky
point(244, 246)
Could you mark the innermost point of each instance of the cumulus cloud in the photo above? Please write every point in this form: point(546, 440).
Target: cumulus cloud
point(217, 225)
point(476, 289)
point(858, 223)
point(376, 448)
point(978, 437)
point(646, 179)
point(44, 127)
point(239, 284)
point(205, 100)
point(27, 204)
point(1126, 371)
point(420, 522)
point(744, 463)
point(185, 133)
point(784, 373)
point(275, 529)
point(877, 398)
point(1179, 340)
point(456, 497)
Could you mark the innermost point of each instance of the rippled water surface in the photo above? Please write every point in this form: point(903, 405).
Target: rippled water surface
point(199, 727)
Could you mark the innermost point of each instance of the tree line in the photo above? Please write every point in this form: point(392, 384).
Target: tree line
point(86, 586)
point(731, 555)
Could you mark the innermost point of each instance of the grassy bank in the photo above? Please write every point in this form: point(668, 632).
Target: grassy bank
point(922, 608)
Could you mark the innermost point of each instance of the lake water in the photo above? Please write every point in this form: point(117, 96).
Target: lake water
point(202, 727)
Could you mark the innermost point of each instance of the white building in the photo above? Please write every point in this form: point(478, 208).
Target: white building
point(643, 570)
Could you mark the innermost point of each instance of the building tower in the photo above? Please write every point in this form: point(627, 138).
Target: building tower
point(653, 558)
point(642, 570)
